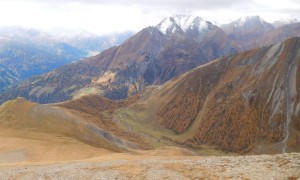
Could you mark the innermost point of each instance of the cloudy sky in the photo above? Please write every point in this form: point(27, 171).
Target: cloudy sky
point(107, 16)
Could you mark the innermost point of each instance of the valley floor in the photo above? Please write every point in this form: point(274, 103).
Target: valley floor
point(148, 166)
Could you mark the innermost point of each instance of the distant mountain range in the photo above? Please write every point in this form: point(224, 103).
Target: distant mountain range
point(28, 52)
point(252, 32)
point(90, 42)
point(283, 22)
point(152, 56)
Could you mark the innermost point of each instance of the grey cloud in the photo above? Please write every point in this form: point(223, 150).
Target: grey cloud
point(162, 4)
point(295, 1)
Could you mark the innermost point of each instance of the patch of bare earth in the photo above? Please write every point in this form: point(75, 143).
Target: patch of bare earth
point(124, 166)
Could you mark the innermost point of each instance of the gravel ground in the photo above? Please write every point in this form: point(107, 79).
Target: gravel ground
point(281, 166)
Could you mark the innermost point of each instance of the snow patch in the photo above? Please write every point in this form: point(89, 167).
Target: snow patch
point(165, 25)
point(203, 26)
point(242, 21)
point(184, 22)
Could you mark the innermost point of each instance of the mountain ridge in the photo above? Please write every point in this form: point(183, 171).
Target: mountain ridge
point(252, 31)
point(149, 57)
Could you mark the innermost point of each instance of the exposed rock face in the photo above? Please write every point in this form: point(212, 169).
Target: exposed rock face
point(149, 57)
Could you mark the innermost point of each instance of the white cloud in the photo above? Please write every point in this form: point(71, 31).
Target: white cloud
point(93, 17)
point(102, 16)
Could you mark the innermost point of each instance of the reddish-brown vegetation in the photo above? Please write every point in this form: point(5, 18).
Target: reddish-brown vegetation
point(95, 104)
point(181, 111)
point(229, 127)
point(242, 100)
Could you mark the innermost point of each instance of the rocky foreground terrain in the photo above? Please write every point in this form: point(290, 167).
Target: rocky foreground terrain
point(124, 166)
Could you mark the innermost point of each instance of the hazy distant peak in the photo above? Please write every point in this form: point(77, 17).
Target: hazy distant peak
point(72, 33)
point(18, 30)
point(249, 21)
point(283, 22)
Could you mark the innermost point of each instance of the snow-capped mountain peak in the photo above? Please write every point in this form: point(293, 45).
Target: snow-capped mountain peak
point(165, 25)
point(182, 23)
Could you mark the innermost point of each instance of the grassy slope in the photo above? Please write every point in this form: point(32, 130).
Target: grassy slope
point(22, 146)
point(24, 118)
point(31, 132)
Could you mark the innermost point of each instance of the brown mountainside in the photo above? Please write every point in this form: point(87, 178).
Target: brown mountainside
point(245, 102)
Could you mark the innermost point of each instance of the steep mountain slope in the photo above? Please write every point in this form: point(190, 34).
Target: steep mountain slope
point(252, 32)
point(247, 102)
point(152, 56)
